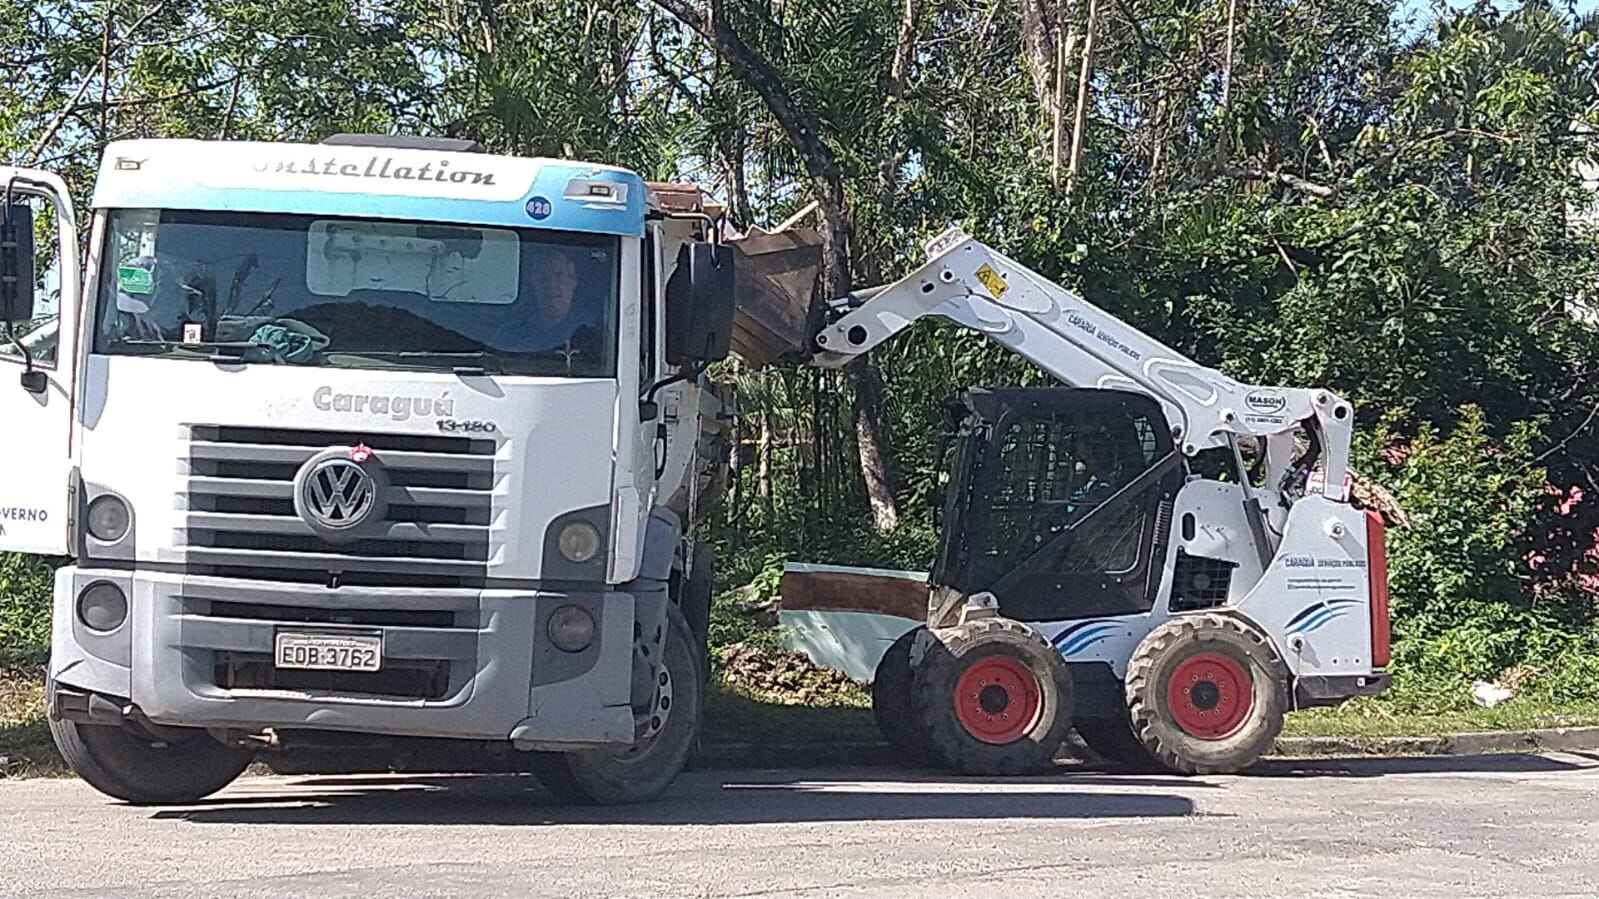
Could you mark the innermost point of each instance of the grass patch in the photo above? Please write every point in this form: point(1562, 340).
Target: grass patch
point(1368, 718)
point(26, 749)
point(734, 716)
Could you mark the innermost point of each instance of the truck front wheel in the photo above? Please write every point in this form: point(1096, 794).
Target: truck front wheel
point(644, 770)
point(137, 768)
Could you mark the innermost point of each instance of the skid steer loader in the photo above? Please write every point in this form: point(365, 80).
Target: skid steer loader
point(1159, 555)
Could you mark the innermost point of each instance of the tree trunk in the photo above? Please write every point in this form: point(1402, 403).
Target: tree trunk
point(867, 384)
point(1227, 62)
point(105, 77)
point(1080, 116)
point(1048, 41)
point(803, 130)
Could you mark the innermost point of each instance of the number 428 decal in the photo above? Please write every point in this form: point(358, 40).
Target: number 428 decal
point(455, 426)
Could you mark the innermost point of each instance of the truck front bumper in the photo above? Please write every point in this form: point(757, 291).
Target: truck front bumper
point(197, 651)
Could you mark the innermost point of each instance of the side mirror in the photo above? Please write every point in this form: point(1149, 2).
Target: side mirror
point(699, 305)
point(16, 264)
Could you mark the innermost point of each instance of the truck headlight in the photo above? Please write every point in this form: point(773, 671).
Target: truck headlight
point(108, 518)
point(102, 606)
point(579, 541)
point(571, 628)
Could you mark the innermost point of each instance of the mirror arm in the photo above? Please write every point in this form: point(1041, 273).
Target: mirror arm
point(27, 357)
point(711, 230)
point(692, 373)
point(33, 381)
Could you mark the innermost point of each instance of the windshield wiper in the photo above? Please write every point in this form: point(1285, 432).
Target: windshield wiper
point(220, 349)
point(484, 359)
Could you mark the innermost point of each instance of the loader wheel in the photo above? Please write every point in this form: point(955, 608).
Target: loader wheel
point(1113, 740)
point(891, 698)
point(992, 697)
point(1206, 694)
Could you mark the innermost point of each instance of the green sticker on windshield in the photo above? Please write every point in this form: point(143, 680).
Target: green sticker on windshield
point(132, 279)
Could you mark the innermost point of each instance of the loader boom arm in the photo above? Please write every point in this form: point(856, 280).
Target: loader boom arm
point(976, 286)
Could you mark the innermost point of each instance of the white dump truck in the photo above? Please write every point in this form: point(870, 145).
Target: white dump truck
point(380, 437)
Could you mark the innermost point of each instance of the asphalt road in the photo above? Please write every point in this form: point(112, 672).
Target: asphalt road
point(1515, 825)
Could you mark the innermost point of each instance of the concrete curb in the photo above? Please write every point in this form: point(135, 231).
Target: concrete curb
point(808, 755)
point(1561, 739)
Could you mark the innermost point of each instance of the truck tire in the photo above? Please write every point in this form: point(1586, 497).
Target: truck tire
point(992, 697)
point(1206, 694)
point(892, 699)
point(696, 600)
point(643, 771)
point(1113, 740)
point(136, 769)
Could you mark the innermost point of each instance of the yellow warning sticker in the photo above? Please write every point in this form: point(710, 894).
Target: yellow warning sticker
point(992, 280)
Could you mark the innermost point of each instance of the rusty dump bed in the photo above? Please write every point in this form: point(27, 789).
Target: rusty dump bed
point(775, 280)
point(835, 588)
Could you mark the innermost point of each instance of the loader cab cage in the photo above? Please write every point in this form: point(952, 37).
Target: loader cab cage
point(1059, 501)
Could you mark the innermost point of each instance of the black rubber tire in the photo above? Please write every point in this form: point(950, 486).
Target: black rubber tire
point(938, 726)
point(892, 699)
point(1148, 675)
point(696, 600)
point(1113, 740)
point(127, 766)
point(637, 773)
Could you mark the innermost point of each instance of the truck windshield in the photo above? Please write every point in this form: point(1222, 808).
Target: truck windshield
point(357, 293)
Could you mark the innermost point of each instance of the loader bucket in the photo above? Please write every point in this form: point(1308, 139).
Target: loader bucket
point(776, 277)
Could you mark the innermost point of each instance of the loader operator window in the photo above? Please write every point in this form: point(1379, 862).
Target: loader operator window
point(1054, 539)
point(358, 293)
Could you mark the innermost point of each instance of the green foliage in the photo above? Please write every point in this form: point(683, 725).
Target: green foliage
point(25, 583)
point(1390, 212)
point(1460, 583)
point(1471, 501)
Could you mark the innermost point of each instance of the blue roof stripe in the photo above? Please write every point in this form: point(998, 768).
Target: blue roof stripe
point(550, 183)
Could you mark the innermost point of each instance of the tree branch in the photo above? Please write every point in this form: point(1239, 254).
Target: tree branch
point(1287, 179)
point(61, 117)
point(799, 124)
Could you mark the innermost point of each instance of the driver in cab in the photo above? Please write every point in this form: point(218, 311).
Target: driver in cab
point(553, 319)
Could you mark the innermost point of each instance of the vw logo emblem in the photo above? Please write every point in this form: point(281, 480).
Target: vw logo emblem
point(340, 490)
point(338, 493)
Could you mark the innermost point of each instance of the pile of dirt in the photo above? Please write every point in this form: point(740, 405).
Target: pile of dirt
point(787, 678)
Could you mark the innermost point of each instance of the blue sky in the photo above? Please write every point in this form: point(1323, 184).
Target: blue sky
point(1582, 6)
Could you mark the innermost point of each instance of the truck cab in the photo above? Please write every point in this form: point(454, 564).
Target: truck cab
point(376, 436)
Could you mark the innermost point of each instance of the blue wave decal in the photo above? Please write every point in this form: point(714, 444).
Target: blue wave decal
point(1317, 620)
point(1080, 638)
point(1320, 614)
point(1081, 645)
point(1303, 614)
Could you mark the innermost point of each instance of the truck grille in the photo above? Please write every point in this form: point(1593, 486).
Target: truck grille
point(240, 518)
point(407, 679)
point(430, 641)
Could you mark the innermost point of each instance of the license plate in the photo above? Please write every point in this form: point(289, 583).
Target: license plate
point(328, 652)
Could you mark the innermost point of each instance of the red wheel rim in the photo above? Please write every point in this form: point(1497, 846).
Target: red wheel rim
point(998, 699)
point(1210, 695)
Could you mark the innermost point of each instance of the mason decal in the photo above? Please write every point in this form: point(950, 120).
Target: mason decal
point(1266, 402)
